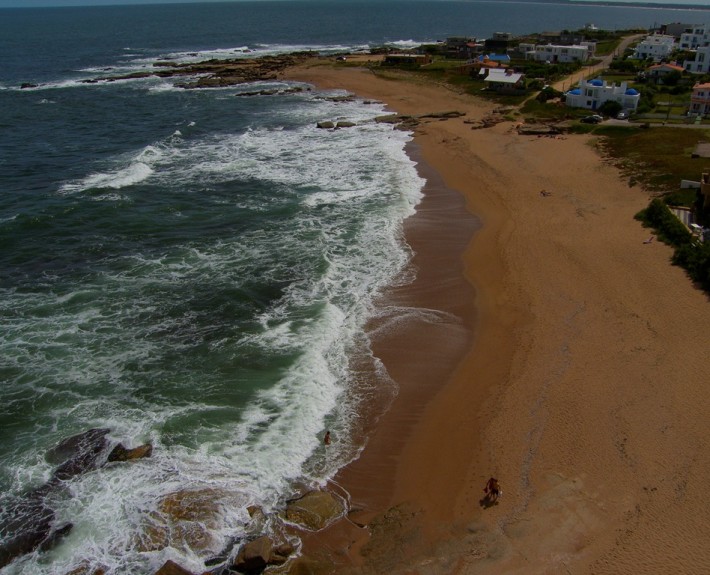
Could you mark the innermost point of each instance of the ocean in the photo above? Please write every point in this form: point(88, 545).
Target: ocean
point(197, 270)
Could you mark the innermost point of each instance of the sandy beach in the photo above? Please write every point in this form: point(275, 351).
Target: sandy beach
point(559, 353)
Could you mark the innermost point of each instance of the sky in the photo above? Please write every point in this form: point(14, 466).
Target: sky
point(54, 3)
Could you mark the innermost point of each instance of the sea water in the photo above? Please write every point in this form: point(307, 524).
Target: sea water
point(195, 269)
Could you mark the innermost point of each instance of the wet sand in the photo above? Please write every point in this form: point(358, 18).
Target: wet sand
point(559, 352)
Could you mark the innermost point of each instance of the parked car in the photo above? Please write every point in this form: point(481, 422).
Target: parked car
point(593, 119)
point(623, 115)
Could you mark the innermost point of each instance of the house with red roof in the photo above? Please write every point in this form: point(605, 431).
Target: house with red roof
point(658, 72)
point(700, 100)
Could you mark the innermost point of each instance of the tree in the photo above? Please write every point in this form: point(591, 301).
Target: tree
point(610, 108)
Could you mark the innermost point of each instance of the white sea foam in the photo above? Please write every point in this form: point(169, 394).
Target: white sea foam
point(120, 178)
point(351, 190)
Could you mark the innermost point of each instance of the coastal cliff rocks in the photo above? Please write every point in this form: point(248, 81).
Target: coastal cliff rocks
point(315, 510)
point(28, 521)
point(217, 73)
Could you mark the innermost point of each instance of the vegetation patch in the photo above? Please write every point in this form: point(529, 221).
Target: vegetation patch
point(657, 158)
point(692, 255)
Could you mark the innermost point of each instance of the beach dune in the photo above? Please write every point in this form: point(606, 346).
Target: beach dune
point(561, 354)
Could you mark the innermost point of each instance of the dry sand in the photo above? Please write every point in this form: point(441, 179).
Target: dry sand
point(562, 354)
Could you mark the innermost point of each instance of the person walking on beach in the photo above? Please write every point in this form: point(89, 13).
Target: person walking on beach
point(492, 490)
point(326, 438)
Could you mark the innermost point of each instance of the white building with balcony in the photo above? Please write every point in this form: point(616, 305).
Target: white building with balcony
point(698, 37)
point(553, 53)
point(701, 63)
point(655, 47)
point(591, 94)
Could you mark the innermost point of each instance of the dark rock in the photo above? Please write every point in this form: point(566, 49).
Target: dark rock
point(55, 537)
point(76, 444)
point(26, 523)
point(390, 119)
point(443, 115)
point(172, 568)
point(26, 85)
point(120, 453)
point(344, 124)
point(325, 125)
point(254, 556)
point(85, 451)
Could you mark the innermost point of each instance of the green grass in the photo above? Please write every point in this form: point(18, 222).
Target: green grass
point(657, 158)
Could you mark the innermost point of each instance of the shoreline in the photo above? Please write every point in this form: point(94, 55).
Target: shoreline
point(582, 386)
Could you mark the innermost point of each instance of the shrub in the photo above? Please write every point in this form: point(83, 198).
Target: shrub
point(667, 226)
point(692, 256)
point(610, 108)
point(695, 259)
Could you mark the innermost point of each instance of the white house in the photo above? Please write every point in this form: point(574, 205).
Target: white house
point(701, 64)
point(553, 53)
point(503, 80)
point(698, 37)
point(591, 94)
point(656, 47)
point(700, 100)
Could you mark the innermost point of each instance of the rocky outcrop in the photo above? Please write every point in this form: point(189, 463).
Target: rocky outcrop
point(186, 520)
point(443, 115)
point(273, 91)
point(28, 522)
point(78, 454)
point(85, 568)
point(218, 73)
point(172, 568)
point(315, 510)
point(254, 556)
point(327, 125)
point(120, 453)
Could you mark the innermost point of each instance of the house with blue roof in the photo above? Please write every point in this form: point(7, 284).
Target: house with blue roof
point(591, 94)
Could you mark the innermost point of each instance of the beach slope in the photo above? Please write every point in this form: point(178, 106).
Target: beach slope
point(576, 372)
